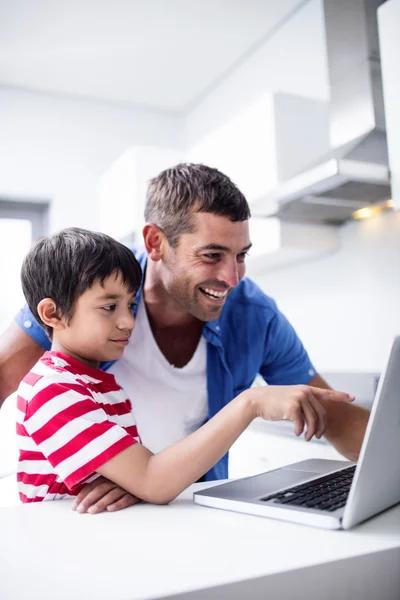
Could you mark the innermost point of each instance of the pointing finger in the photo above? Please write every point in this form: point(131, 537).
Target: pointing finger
point(334, 396)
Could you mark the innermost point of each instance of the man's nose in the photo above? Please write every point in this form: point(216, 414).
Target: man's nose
point(229, 273)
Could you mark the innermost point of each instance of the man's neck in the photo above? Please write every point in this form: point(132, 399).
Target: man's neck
point(176, 332)
point(163, 311)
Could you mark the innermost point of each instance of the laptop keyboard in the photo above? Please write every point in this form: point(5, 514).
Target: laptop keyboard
point(329, 492)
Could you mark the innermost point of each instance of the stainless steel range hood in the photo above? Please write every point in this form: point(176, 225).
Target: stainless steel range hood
point(355, 174)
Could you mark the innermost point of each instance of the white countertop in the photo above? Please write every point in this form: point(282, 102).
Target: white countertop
point(50, 552)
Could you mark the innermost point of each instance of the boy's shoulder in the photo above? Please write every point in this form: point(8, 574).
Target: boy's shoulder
point(54, 372)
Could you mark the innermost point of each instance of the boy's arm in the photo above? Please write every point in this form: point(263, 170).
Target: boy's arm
point(18, 353)
point(103, 495)
point(160, 478)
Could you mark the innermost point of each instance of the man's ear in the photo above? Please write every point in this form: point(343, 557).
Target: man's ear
point(47, 311)
point(154, 241)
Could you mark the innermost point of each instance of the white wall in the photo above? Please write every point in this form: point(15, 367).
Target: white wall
point(243, 148)
point(292, 60)
point(57, 149)
point(346, 306)
point(124, 185)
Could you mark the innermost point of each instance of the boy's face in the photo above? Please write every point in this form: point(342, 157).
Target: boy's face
point(101, 324)
point(207, 264)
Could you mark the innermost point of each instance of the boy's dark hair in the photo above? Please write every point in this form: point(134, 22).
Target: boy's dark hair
point(175, 193)
point(62, 267)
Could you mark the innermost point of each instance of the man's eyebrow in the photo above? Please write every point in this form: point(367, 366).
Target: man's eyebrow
point(221, 248)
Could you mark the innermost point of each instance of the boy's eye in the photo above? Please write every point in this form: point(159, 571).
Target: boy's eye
point(109, 307)
point(132, 305)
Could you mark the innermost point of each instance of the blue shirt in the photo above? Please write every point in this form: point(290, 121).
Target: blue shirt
point(250, 337)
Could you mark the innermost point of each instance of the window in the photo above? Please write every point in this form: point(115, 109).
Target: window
point(20, 224)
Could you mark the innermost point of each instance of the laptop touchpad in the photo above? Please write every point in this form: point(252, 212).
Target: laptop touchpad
point(260, 485)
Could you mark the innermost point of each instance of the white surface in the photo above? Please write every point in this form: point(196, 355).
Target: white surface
point(389, 41)
point(157, 53)
point(148, 551)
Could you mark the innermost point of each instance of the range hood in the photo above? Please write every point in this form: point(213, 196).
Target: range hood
point(355, 173)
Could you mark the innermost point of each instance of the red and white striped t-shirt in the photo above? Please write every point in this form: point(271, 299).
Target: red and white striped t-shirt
point(71, 419)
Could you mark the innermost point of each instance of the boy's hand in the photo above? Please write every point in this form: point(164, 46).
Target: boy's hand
point(297, 403)
point(102, 494)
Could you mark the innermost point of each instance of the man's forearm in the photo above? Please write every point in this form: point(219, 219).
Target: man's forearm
point(346, 424)
point(18, 353)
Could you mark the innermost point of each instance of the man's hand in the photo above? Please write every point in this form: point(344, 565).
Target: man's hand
point(103, 494)
point(298, 403)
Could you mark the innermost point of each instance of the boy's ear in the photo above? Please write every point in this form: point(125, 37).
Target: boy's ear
point(47, 311)
point(154, 241)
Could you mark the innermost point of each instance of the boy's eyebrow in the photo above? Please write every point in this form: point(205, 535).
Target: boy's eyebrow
point(112, 296)
point(222, 248)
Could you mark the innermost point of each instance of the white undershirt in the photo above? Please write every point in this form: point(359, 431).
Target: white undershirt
point(168, 403)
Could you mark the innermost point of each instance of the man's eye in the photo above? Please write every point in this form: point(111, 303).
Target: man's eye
point(212, 255)
point(109, 307)
point(242, 256)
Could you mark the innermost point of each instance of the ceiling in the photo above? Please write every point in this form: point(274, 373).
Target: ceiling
point(163, 54)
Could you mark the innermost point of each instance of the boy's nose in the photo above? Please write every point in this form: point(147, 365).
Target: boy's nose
point(126, 321)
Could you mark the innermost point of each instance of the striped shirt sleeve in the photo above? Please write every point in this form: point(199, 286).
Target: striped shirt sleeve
point(72, 430)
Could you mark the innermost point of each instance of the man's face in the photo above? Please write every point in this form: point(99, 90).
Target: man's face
point(102, 322)
point(207, 264)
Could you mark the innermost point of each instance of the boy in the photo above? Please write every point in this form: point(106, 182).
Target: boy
point(75, 423)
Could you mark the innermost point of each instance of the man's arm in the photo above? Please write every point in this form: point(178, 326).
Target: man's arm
point(18, 353)
point(345, 423)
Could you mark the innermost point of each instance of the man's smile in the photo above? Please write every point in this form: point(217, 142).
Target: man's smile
point(214, 294)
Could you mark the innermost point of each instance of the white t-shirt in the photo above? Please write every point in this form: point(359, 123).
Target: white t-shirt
point(168, 403)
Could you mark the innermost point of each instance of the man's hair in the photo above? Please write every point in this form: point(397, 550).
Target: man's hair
point(176, 193)
point(62, 267)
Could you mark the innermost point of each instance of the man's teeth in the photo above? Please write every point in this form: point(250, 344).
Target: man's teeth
point(214, 293)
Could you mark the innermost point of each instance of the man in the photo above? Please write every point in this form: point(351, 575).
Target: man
point(203, 331)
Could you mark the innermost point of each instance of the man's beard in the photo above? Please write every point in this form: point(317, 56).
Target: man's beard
point(180, 291)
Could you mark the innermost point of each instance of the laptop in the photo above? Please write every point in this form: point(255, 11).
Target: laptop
point(329, 493)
